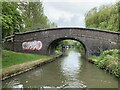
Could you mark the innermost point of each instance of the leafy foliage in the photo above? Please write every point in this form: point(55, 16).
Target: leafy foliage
point(34, 16)
point(22, 17)
point(109, 60)
point(104, 17)
point(11, 18)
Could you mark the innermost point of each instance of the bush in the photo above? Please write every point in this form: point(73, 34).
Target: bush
point(109, 61)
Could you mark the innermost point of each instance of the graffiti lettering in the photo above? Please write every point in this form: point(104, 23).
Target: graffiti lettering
point(33, 45)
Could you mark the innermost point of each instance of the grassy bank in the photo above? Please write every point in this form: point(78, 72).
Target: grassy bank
point(109, 61)
point(13, 62)
point(10, 58)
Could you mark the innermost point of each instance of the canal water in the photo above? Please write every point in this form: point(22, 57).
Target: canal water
point(69, 71)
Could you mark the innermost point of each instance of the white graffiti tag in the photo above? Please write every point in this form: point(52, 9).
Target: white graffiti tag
point(32, 45)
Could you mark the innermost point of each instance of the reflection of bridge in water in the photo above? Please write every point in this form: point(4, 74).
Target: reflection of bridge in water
point(93, 40)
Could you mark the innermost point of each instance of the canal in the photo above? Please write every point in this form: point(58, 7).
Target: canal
point(69, 71)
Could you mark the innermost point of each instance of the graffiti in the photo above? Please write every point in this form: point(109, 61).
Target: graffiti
point(32, 45)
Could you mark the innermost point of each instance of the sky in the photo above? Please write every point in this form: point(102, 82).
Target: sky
point(70, 13)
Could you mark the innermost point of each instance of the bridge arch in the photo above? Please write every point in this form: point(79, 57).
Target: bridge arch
point(54, 42)
point(93, 40)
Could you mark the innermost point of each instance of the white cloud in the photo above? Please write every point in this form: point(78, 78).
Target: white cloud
point(70, 12)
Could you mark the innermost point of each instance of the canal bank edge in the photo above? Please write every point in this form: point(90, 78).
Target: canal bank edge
point(108, 60)
point(27, 67)
point(108, 70)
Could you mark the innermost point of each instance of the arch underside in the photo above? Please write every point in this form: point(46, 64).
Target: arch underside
point(51, 47)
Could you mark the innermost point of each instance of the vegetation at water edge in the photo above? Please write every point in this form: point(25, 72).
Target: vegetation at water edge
point(108, 60)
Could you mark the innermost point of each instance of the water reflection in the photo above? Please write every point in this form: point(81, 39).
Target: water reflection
point(95, 77)
point(68, 71)
point(70, 67)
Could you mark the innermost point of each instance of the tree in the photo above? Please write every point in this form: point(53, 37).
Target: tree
point(104, 17)
point(34, 16)
point(11, 18)
point(22, 17)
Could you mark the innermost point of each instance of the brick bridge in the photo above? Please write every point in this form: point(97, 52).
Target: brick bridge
point(43, 41)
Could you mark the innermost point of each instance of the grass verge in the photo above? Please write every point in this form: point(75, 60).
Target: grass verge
point(109, 61)
point(13, 62)
point(10, 58)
